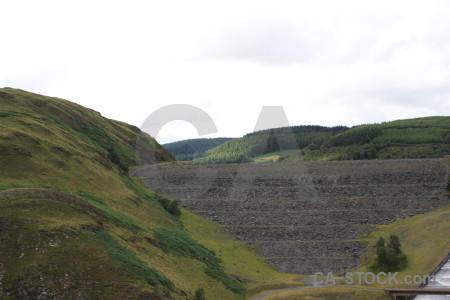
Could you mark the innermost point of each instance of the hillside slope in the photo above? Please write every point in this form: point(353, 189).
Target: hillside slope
point(74, 225)
point(427, 137)
point(268, 141)
point(193, 148)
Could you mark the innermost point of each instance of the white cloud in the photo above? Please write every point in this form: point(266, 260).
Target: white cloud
point(263, 42)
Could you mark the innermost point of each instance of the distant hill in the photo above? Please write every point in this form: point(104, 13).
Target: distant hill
point(191, 149)
point(427, 137)
point(75, 225)
point(269, 141)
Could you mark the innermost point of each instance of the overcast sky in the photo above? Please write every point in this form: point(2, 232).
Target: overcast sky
point(325, 62)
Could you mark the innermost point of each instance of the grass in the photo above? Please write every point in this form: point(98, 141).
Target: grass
point(268, 158)
point(154, 199)
point(115, 217)
point(10, 186)
point(4, 114)
point(137, 267)
point(241, 260)
point(424, 240)
point(43, 240)
point(179, 242)
point(278, 156)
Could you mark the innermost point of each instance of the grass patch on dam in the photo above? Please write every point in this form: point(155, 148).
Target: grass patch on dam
point(424, 240)
point(244, 261)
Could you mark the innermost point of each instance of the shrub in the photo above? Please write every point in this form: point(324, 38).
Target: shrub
point(164, 201)
point(152, 198)
point(389, 257)
point(174, 208)
point(114, 157)
point(200, 294)
point(171, 206)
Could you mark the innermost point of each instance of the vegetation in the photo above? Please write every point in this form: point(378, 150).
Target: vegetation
point(188, 150)
point(254, 273)
point(112, 215)
point(267, 141)
point(137, 267)
point(423, 238)
point(172, 206)
point(390, 257)
point(177, 241)
point(413, 138)
point(199, 294)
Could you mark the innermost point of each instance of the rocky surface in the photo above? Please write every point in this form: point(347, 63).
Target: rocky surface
point(305, 217)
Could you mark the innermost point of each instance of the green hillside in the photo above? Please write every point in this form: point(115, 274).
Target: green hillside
point(194, 148)
point(74, 225)
point(413, 138)
point(268, 141)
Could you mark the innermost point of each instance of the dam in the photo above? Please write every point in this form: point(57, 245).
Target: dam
point(305, 217)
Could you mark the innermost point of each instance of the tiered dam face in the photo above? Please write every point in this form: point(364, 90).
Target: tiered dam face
point(307, 217)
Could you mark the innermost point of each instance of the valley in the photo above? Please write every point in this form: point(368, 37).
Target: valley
point(77, 223)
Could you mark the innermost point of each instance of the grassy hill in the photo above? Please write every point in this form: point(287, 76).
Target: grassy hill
point(74, 225)
point(412, 138)
point(194, 148)
point(269, 141)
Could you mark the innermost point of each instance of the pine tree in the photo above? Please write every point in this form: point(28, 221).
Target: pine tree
point(394, 243)
point(381, 252)
point(389, 257)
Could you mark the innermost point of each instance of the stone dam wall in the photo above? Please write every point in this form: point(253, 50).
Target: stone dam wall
point(306, 217)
